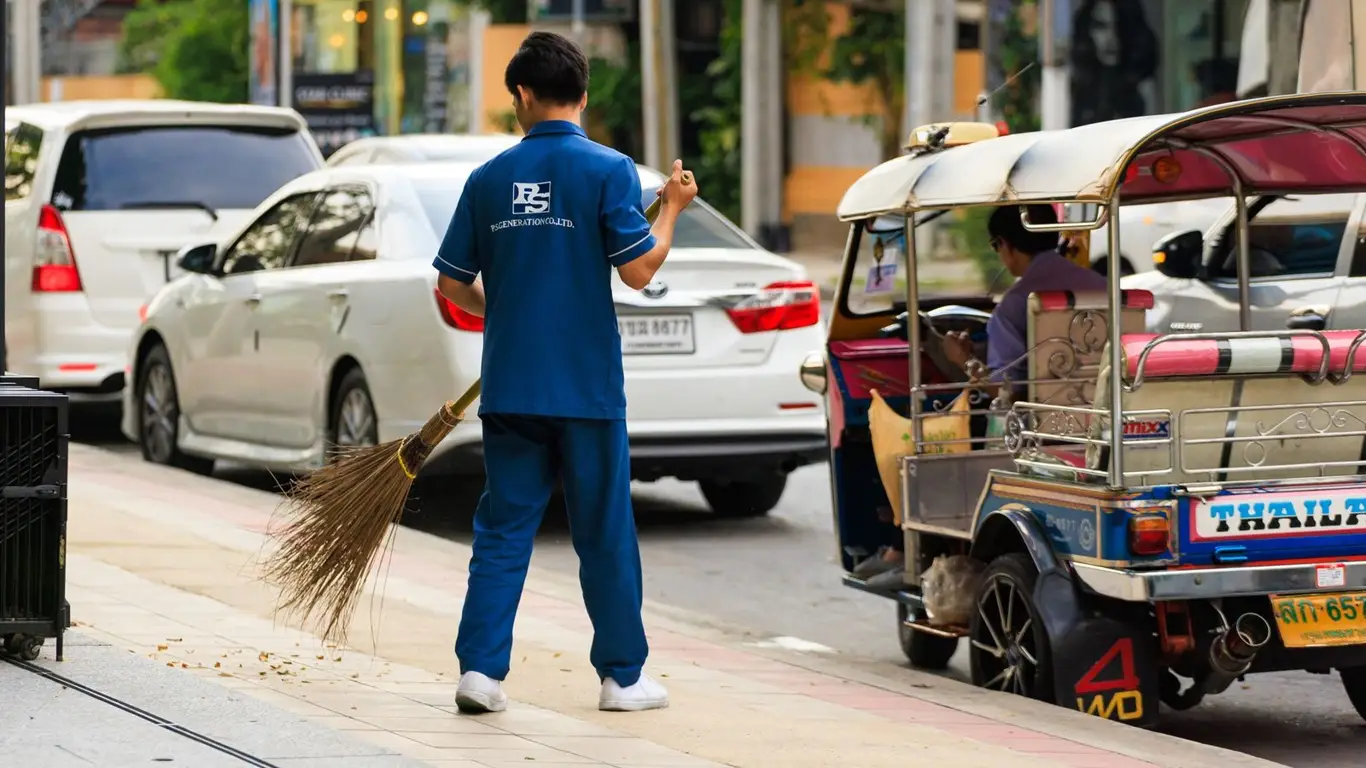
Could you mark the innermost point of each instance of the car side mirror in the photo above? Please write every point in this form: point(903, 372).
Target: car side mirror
point(1180, 255)
point(198, 259)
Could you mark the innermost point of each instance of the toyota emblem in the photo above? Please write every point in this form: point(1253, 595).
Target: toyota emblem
point(655, 290)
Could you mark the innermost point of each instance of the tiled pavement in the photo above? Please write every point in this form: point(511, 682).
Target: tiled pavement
point(163, 563)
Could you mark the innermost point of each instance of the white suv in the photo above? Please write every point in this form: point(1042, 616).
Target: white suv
point(99, 198)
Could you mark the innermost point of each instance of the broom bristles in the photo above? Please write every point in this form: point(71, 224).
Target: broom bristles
point(338, 518)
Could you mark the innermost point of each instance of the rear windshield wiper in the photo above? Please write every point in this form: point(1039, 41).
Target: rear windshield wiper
point(168, 204)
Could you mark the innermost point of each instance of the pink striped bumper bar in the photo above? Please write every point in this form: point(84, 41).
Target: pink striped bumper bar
point(1242, 356)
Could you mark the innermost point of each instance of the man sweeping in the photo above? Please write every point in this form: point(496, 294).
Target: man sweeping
point(544, 224)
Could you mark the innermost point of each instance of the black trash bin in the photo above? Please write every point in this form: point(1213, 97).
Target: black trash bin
point(33, 478)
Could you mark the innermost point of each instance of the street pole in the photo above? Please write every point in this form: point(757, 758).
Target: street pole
point(284, 55)
point(668, 82)
point(1054, 96)
point(751, 115)
point(649, 83)
point(576, 26)
point(28, 64)
point(775, 138)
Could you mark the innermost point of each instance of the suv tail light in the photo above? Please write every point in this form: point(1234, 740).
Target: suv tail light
point(1149, 534)
point(54, 263)
point(458, 318)
point(778, 307)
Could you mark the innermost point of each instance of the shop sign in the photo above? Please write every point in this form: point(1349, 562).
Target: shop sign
point(339, 107)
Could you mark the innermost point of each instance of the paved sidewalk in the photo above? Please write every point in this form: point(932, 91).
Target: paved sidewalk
point(163, 563)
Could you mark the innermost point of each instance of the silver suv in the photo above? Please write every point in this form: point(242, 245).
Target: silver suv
point(1308, 259)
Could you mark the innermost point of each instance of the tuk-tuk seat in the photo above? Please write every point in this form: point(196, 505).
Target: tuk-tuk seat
point(1200, 375)
point(1067, 331)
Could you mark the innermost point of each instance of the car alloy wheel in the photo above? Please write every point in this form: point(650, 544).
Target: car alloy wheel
point(160, 410)
point(356, 426)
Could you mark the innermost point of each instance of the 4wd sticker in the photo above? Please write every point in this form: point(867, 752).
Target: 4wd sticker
point(1325, 511)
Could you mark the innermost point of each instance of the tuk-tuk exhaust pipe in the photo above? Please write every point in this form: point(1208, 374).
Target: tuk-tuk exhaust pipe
point(1232, 652)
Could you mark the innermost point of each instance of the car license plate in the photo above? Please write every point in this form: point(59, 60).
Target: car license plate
point(1305, 621)
point(656, 334)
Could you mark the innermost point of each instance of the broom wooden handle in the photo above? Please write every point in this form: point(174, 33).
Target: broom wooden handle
point(652, 212)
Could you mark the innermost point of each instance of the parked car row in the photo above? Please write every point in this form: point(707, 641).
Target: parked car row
point(248, 302)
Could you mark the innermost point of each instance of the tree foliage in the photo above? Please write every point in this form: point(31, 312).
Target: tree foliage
point(500, 11)
point(195, 49)
point(718, 121)
point(871, 51)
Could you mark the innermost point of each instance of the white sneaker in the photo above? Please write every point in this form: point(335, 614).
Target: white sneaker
point(478, 693)
point(645, 694)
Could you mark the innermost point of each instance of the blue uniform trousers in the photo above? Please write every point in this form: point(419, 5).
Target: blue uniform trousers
point(523, 458)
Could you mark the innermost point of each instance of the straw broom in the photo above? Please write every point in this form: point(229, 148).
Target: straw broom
point(339, 517)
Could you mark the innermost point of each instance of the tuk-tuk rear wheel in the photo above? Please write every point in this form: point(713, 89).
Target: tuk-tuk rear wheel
point(922, 649)
point(1354, 682)
point(1009, 646)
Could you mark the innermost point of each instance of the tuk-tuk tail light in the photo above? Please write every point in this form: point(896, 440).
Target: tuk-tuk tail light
point(1149, 533)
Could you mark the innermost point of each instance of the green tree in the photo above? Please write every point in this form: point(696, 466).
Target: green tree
point(195, 49)
point(718, 121)
point(871, 51)
point(500, 11)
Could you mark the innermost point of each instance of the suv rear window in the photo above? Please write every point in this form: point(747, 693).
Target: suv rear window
point(214, 167)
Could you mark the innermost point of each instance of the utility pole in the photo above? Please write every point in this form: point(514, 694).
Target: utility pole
point(658, 95)
point(751, 115)
point(284, 55)
point(1054, 92)
point(774, 139)
point(25, 37)
point(576, 25)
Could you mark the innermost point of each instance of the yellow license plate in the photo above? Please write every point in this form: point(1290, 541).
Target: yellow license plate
point(1306, 621)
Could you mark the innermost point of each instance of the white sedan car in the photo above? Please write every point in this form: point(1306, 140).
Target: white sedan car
point(418, 147)
point(319, 324)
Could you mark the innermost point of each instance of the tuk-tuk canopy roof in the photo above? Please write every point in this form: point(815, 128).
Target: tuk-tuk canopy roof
point(1280, 144)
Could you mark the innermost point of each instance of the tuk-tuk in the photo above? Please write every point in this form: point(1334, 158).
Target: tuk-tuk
point(1219, 531)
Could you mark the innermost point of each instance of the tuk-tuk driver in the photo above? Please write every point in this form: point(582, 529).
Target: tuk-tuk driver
point(545, 223)
point(1034, 260)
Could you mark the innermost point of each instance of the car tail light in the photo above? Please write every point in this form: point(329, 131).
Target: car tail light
point(458, 318)
point(1149, 534)
point(778, 307)
point(54, 263)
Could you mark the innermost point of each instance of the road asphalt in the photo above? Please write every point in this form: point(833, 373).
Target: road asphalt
point(778, 576)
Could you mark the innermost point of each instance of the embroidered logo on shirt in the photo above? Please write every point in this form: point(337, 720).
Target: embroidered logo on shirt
point(530, 198)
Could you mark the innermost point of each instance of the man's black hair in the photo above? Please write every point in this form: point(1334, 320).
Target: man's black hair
point(1005, 224)
point(551, 66)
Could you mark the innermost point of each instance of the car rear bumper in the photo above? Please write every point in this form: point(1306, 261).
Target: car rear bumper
point(706, 450)
point(72, 352)
point(1204, 583)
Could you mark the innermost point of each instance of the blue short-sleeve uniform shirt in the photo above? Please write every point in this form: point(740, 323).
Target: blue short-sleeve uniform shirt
point(545, 223)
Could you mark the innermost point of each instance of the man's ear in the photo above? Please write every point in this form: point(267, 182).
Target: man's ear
point(524, 95)
point(583, 103)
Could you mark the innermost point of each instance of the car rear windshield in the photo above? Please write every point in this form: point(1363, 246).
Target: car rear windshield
point(211, 167)
point(700, 226)
point(438, 198)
